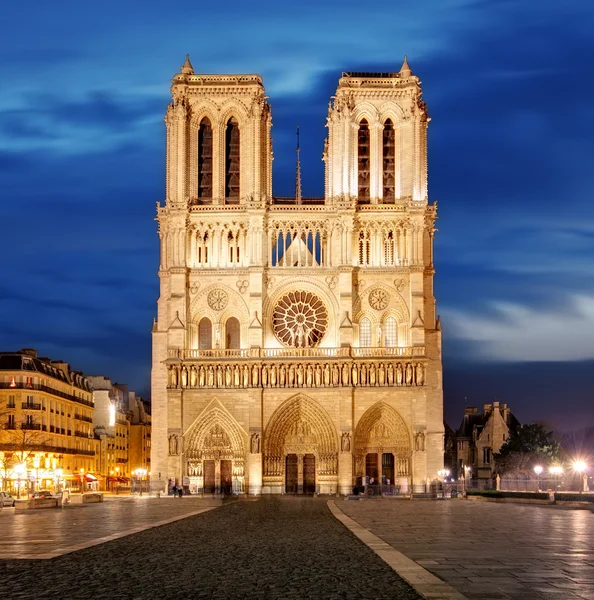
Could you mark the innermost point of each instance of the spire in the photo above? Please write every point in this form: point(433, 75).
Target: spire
point(298, 173)
point(187, 69)
point(405, 70)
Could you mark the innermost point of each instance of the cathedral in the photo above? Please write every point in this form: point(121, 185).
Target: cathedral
point(296, 347)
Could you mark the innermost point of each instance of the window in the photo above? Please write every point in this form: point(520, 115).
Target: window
point(365, 333)
point(389, 164)
point(487, 456)
point(232, 161)
point(205, 334)
point(364, 248)
point(363, 161)
point(232, 335)
point(205, 159)
point(391, 332)
point(389, 248)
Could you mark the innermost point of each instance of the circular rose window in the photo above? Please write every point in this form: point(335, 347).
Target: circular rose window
point(300, 319)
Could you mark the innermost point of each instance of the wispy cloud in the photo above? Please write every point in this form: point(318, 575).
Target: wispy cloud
point(519, 333)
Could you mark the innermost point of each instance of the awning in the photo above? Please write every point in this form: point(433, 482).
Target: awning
point(90, 477)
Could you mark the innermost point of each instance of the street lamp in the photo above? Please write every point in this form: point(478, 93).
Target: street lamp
point(82, 480)
point(58, 473)
point(580, 466)
point(140, 473)
point(19, 470)
point(538, 470)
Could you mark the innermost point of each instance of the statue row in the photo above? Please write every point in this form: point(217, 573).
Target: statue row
point(326, 464)
point(296, 375)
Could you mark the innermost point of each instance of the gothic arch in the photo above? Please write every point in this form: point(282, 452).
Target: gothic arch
point(396, 306)
point(199, 306)
point(215, 434)
point(392, 111)
point(381, 430)
point(300, 425)
point(365, 110)
point(232, 108)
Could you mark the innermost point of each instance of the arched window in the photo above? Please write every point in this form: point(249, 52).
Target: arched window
point(205, 159)
point(232, 161)
point(365, 333)
point(391, 332)
point(205, 334)
point(389, 162)
point(363, 161)
point(232, 335)
point(389, 248)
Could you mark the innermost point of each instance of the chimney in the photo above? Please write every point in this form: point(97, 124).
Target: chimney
point(29, 352)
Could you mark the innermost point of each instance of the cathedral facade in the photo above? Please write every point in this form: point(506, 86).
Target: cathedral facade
point(296, 346)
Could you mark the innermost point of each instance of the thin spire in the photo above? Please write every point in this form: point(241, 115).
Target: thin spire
point(405, 70)
point(298, 172)
point(187, 68)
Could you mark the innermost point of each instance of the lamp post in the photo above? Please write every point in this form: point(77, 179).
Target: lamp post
point(580, 467)
point(19, 470)
point(82, 480)
point(58, 474)
point(140, 473)
point(538, 470)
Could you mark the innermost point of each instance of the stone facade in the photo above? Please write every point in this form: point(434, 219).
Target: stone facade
point(296, 345)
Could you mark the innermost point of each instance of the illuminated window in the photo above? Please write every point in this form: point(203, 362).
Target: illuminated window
point(232, 333)
point(391, 332)
point(389, 164)
point(232, 161)
point(363, 161)
point(205, 334)
point(365, 333)
point(205, 159)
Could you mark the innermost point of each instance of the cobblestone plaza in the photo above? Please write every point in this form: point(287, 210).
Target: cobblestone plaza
point(295, 547)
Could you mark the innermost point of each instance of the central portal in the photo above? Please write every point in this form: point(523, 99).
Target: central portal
point(309, 474)
point(292, 474)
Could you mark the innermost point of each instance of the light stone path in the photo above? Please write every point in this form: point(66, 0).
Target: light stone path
point(489, 551)
point(271, 548)
point(51, 532)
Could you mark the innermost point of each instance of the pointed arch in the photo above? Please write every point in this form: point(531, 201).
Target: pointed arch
point(300, 424)
point(232, 160)
point(388, 162)
point(364, 161)
point(395, 433)
point(215, 433)
point(205, 158)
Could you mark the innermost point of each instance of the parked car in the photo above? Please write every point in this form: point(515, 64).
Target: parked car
point(6, 499)
point(43, 494)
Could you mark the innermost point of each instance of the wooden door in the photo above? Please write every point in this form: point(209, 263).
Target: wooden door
point(387, 468)
point(371, 469)
point(209, 476)
point(309, 474)
point(291, 474)
point(226, 477)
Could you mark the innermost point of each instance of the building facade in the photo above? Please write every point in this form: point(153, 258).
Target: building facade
point(46, 424)
point(296, 345)
point(479, 437)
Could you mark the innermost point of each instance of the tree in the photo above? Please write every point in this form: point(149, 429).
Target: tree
point(527, 446)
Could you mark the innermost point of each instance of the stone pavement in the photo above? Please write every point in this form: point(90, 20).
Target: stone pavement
point(46, 533)
point(486, 550)
point(290, 547)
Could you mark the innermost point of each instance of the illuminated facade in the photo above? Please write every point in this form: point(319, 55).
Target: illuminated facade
point(46, 424)
point(296, 345)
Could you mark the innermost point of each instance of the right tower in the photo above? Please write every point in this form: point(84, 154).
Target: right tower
point(376, 171)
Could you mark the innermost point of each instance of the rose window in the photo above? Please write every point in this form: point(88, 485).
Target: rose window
point(379, 299)
point(300, 319)
point(217, 299)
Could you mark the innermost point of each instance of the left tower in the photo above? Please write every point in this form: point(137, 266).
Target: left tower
point(218, 182)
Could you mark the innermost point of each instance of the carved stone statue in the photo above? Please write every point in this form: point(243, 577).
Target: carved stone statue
point(173, 446)
point(309, 375)
point(399, 374)
point(335, 374)
point(273, 376)
point(420, 441)
point(219, 376)
point(236, 376)
point(246, 376)
point(390, 374)
point(372, 374)
point(409, 374)
point(345, 442)
point(300, 375)
point(345, 374)
point(201, 377)
point(381, 374)
point(419, 374)
point(184, 377)
point(355, 375)
point(363, 374)
point(227, 376)
point(265, 376)
point(318, 376)
point(255, 443)
point(291, 375)
point(255, 378)
point(283, 375)
point(210, 376)
point(326, 374)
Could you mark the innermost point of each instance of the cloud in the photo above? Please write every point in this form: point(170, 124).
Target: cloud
point(521, 333)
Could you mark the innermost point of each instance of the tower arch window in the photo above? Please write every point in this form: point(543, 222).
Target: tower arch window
point(364, 248)
point(232, 164)
point(365, 333)
point(389, 164)
point(391, 332)
point(389, 248)
point(205, 159)
point(363, 149)
point(205, 334)
point(232, 333)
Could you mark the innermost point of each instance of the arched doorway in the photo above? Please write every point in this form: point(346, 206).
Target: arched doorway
point(215, 455)
point(300, 449)
point(383, 447)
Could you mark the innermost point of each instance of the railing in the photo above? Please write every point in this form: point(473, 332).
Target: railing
point(276, 353)
point(121, 460)
point(122, 421)
point(30, 406)
point(11, 405)
point(44, 388)
point(10, 425)
point(47, 448)
point(31, 426)
point(83, 418)
point(81, 434)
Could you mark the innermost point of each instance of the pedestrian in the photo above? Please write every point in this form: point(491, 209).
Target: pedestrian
point(180, 491)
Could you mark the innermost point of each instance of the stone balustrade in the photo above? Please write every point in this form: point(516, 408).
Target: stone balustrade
point(295, 374)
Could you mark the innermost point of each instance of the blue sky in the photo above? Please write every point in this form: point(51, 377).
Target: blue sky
point(508, 85)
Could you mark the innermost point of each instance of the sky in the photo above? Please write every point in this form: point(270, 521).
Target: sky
point(508, 85)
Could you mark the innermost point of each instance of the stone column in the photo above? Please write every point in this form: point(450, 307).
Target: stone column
point(300, 473)
point(345, 473)
point(255, 474)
